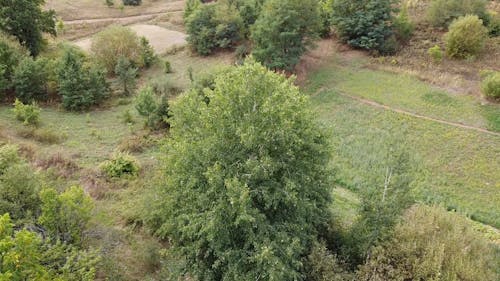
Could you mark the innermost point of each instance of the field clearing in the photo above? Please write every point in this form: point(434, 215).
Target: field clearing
point(70, 10)
point(161, 39)
point(460, 167)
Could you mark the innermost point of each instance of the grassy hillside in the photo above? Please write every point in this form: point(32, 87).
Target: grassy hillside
point(459, 166)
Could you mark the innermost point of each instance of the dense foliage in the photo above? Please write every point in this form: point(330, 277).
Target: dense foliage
point(154, 108)
point(126, 74)
point(364, 24)
point(466, 37)
point(214, 26)
point(432, 244)
point(26, 20)
point(11, 53)
point(284, 31)
point(442, 12)
point(246, 188)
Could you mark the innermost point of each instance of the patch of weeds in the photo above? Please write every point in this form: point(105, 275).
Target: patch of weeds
point(43, 135)
point(438, 98)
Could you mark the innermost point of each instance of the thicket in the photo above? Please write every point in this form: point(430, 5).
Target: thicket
point(466, 37)
point(30, 80)
point(284, 31)
point(432, 244)
point(442, 12)
point(11, 53)
point(29, 213)
point(253, 164)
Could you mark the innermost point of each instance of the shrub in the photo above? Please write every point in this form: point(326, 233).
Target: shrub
point(167, 67)
point(110, 3)
point(126, 74)
point(132, 2)
point(30, 80)
point(491, 85)
point(19, 191)
point(29, 114)
point(148, 56)
point(402, 26)
point(154, 109)
point(65, 215)
point(363, 24)
point(435, 53)
point(191, 6)
point(494, 25)
point(431, 244)
point(120, 165)
point(442, 12)
point(466, 37)
point(284, 31)
point(43, 135)
point(322, 265)
point(162, 86)
point(115, 42)
point(214, 26)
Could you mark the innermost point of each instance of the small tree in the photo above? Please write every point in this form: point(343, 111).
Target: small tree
point(71, 80)
point(11, 53)
point(466, 37)
point(284, 31)
point(246, 189)
point(155, 110)
point(126, 75)
point(26, 20)
point(148, 55)
point(30, 80)
point(442, 12)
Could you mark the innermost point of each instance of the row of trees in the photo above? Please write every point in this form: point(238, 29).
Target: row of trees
point(246, 195)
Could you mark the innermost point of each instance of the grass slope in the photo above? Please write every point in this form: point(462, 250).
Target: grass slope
point(459, 167)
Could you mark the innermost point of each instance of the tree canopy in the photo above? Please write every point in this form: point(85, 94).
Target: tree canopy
point(246, 186)
point(26, 20)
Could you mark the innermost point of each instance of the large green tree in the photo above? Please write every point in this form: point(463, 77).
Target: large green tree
point(26, 20)
point(246, 187)
point(284, 31)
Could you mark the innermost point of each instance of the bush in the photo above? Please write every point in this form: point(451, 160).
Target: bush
point(191, 6)
point(154, 109)
point(29, 114)
point(402, 26)
point(491, 85)
point(363, 24)
point(115, 42)
point(435, 53)
point(162, 86)
point(442, 12)
point(19, 191)
point(466, 37)
point(132, 2)
point(30, 80)
point(121, 164)
point(494, 24)
point(65, 215)
point(432, 244)
point(322, 265)
point(280, 36)
point(214, 26)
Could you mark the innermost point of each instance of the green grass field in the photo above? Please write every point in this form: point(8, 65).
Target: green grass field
point(459, 167)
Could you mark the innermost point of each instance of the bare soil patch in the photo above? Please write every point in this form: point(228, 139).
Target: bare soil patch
point(160, 38)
